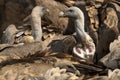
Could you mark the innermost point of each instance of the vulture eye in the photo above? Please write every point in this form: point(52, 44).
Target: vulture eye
point(71, 10)
point(43, 8)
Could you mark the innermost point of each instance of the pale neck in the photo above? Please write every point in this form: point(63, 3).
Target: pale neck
point(79, 23)
point(36, 20)
point(79, 27)
point(36, 27)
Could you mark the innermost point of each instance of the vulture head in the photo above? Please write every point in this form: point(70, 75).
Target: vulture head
point(72, 12)
point(39, 10)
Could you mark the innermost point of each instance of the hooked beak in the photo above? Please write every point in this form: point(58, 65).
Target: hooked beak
point(47, 11)
point(61, 14)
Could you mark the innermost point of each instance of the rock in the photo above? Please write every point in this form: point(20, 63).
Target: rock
point(108, 30)
point(112, 59)
point(11, 10)
point(54, 7)
point(8, 36)
point(114, 75)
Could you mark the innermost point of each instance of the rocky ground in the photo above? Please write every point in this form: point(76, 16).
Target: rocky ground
point(52, 59)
